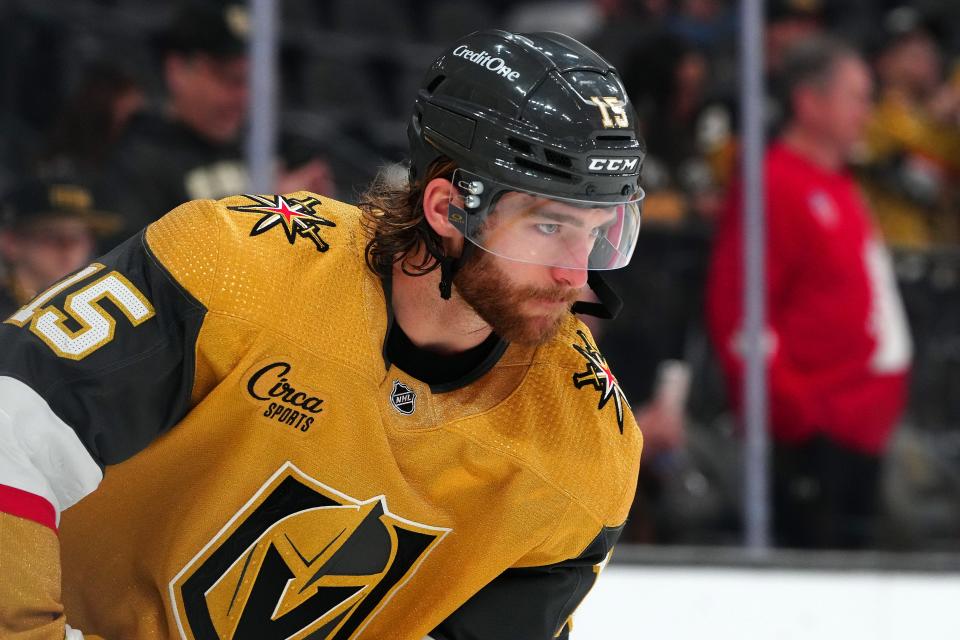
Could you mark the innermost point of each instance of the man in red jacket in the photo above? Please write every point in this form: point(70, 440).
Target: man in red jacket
point(839, 347)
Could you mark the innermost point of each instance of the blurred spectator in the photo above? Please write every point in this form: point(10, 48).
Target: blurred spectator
point(667, 80)
point(717, 125)
point(708, 24)
point(839, 349)
point(48, 231)
point(628, 24)
point(913, 143)
point(95, 115)
point(194, 150)
point(789, 22)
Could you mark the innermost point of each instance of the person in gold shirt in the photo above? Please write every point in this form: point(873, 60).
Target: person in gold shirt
point(280, 416)
point(911, 159)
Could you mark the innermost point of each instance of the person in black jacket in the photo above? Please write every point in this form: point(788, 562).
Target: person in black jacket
point(194, 149)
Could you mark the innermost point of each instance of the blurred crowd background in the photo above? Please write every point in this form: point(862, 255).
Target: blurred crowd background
point(112, 112)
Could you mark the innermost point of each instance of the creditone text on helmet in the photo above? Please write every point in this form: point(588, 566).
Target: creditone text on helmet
point(485, 60)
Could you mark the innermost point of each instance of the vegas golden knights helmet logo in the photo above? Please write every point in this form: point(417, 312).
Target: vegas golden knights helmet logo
point(300, 560)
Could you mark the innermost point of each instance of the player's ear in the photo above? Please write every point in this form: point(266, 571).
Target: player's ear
point(436, 200)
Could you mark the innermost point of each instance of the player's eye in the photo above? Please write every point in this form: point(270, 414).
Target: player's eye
point(548, 229)
point(602, 230)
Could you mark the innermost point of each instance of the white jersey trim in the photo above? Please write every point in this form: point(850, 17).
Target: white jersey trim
point(887, 321)
point(39, 452)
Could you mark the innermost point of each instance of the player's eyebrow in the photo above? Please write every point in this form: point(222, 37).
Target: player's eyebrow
point(557, 216)
point(574, 220)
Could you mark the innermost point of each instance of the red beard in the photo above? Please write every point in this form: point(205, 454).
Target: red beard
point(486, 288)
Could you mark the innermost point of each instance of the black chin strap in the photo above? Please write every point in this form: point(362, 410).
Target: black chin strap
point(449, 267)
point(609, 304)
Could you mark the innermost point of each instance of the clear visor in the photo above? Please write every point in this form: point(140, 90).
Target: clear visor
point(537, 229)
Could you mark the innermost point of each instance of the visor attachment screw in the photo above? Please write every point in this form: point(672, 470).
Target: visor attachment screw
point(471, 202)
point(474, 186)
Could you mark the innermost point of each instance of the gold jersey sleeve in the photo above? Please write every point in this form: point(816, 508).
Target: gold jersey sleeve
point(29, 590)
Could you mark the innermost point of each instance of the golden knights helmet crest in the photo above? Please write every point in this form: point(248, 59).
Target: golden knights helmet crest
point(300, 560)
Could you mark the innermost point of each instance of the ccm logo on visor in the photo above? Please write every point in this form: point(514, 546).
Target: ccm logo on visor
point(613, 165)
point(488, 62)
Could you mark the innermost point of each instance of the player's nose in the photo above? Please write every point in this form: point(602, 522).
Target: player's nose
point(575, 278)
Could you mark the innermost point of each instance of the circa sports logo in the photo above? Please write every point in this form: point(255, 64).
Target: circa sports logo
point(599, 376)
point(297, 218)
point(487, 61)
point(299, 560)
point(288, 404)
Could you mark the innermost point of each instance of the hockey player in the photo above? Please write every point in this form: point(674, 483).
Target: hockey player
point(231, 427)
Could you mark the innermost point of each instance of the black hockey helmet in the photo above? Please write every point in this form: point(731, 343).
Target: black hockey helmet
point(540, 114)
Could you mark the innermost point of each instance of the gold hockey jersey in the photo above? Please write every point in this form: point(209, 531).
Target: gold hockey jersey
point(267, 473)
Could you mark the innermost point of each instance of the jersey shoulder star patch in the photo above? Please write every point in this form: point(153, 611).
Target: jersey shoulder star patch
point(599, 377)
point(297, 217)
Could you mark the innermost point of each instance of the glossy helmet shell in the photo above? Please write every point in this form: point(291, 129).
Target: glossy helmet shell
point(539, 112)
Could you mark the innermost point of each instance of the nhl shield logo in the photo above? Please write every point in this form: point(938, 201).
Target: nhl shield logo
point(403, 398)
